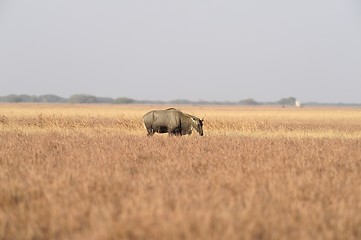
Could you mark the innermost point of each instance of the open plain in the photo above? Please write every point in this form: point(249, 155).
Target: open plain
point(90, 172)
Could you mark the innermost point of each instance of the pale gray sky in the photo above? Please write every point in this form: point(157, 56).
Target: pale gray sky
point(164, 50)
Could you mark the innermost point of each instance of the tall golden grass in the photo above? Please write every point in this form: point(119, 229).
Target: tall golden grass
point(90, 172)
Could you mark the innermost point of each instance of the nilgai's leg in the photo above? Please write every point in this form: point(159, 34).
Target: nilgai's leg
point(175, 133)
point(150, 132)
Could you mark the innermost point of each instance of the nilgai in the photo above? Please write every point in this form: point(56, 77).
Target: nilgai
point(172, 121)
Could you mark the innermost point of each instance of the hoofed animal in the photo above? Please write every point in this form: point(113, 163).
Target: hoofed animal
point(172, 121)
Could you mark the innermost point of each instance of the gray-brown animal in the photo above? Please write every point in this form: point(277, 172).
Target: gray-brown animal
point(172, 121)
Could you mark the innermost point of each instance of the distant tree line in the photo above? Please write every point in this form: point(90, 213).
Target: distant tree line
point(12, 98)
point(49, 98)
point(90, 99)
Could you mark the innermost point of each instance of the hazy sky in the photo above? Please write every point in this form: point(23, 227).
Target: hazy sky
point(189, 49)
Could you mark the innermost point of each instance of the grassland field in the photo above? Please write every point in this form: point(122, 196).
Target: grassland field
point(90, 172)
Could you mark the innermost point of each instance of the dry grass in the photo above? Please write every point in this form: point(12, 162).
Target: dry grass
point(90, 172)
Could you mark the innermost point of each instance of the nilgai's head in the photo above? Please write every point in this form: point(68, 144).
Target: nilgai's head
point(198, 125)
